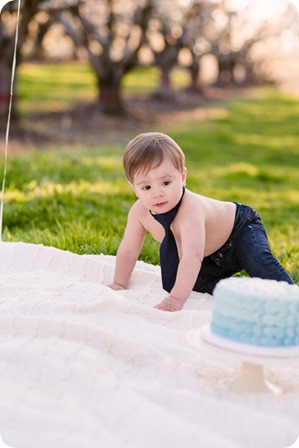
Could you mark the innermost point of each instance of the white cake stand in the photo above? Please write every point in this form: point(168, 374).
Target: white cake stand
point(249, 378)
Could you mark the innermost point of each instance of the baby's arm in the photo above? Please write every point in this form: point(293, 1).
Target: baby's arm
point(128, 250)
point(193, 240)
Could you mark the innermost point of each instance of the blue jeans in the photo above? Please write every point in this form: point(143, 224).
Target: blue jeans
point(246, 248)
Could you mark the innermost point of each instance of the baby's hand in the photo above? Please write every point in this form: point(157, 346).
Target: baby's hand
point(170, 304)
point(116, 287)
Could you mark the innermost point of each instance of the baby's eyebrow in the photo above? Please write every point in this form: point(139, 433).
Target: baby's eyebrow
point(145, 182)
point(168, 176)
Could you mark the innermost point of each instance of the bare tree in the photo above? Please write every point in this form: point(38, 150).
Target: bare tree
point(178, 25)
point(7, 42)
point(112, 34)
point(6, 54)
point(197, 21)
point(229, 51)
point(234, 35)
point(8, 19)
point(165, 39)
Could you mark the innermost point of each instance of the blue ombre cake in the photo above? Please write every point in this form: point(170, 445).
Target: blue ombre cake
point(257, 312)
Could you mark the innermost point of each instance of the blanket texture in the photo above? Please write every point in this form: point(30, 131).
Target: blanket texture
point(83, 366)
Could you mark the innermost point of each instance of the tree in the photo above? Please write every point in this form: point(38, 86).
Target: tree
point(165, 39)
point(197, 20)
point(8, 19)
point(234, 35)
point(112, 33)
point(229, 51)
point(6, 55)
point(178, 26)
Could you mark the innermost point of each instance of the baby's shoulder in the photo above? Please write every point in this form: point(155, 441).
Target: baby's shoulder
point(193, 202)
point(191, 210)
point(138, 211)
point(198, 208)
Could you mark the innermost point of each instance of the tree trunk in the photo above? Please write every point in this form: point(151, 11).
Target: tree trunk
point(194, 70)
point(5, 83)
point(7, 42)
point(165, 82)
point(226, 67)
point(110, 97)
point(166, 61)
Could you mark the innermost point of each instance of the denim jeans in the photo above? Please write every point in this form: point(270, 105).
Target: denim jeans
point(246, 248)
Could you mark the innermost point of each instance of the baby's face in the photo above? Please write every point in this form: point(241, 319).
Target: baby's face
point(160, 189)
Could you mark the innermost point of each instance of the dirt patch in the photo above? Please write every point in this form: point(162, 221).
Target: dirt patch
point(87, 125)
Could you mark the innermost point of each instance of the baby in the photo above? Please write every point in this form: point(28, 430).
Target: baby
point(203, 240)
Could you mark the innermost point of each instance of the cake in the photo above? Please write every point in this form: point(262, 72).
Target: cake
point(257, 312)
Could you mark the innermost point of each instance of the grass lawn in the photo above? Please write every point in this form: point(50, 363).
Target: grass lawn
point(56, 87)
point(78, 199)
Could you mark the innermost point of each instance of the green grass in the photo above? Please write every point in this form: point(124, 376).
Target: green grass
point(59, 86)
point(78, 199)
point(54, 86)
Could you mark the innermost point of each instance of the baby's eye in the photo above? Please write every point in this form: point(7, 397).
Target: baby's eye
point(146, 188)
point(166, 182)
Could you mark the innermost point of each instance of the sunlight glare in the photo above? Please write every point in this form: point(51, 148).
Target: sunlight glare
point(295, 3)
point(263, 10)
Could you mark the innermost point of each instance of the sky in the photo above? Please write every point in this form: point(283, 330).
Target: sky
point(274, 5)
point(296, 3)
point(263, 9)
point(267, 6)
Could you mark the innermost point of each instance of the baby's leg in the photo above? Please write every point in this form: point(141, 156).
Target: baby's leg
point(209, 275)
point(254, 255)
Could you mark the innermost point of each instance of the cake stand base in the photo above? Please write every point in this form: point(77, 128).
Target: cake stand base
point(249, 377)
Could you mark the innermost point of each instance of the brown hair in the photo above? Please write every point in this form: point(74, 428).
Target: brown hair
point(147, 151)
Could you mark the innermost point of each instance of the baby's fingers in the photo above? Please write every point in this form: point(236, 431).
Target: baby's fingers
point(165, 307)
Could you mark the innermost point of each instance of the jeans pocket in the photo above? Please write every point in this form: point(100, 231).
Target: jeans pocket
point(219, 257)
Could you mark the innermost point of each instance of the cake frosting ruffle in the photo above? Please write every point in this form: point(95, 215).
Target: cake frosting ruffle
point(256, 311)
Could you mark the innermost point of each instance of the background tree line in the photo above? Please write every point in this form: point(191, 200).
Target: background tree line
point(117, 36)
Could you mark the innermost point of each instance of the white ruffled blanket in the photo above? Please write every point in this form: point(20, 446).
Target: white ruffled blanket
point(83, 366)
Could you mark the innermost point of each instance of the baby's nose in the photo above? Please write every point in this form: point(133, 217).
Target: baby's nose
point(158, 192)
